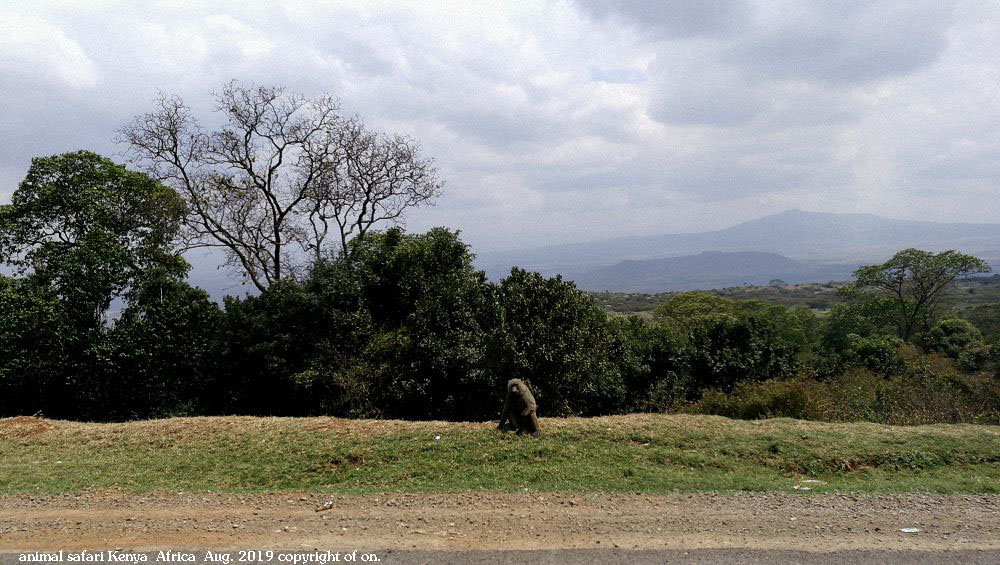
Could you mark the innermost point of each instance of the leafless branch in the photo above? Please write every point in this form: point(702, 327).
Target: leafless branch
point(270, 184)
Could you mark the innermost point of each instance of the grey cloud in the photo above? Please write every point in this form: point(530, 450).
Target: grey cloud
point(842, 42)
point(720, 178)
point(615, 75)
point(673, 18)
point(500, 127)
point(714, 172)
point(41, 120)
point(963, 160)
point(563, 114)
point(635, 174)
point(707, 96)
point(701, 92)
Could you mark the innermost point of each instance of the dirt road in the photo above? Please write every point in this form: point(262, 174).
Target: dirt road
point(486, 521)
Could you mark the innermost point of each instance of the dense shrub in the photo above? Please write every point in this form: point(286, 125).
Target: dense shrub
point(724, 349)
point(652, 359)
point(986, 318)
point(263, 343)
point(798, 328)
point(860, 395)
point(403, 326)
point(981, 356)
point(879, 353)
point(846, 322)
point(431, 315)
point(161, 351)
point(803, 399)
point(558, 339)
point(951, 336)
point(33, 337)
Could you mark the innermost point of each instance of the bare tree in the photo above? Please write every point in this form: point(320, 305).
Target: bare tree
point(283, 175)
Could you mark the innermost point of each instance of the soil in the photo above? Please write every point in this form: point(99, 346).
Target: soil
point(24, 426)
point(488, 521)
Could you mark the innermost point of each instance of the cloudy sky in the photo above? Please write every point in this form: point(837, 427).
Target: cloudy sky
point(563, 121)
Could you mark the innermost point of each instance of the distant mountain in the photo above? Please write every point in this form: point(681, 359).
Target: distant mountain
point(813, 237)
point(711, 269)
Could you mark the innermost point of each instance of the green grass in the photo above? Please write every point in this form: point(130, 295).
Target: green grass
point(637, 453)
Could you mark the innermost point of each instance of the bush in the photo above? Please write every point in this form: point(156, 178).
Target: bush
point(724, 350)
point(878, 353)
point(986, 318)
point(845, 323)
point(558, 339)
point(413, 319)
point(802, 399)
point(34, 335)
point(980, 356)
point(920, 397)
point(651, 357)
point(161, 351)
point(860, 395)
point(951, 336)
point(263, 343)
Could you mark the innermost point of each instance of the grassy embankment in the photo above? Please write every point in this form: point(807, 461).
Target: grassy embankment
point(638, 453)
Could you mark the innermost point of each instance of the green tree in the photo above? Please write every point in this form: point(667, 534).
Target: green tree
point(725, 349)
point(686, 308)
point(986, 317)
point(89, 228)
point(264, 343)
point(398, 327)
point(32, 338)
point(907, 288)
point(879, 353)
point(846, 322)
point(558, 339)
point(161, 350)
point(430, 314)
point(728, 341)
point(80, 232)
point(652, 359)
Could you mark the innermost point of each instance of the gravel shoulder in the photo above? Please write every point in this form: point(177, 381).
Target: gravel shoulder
point(489, 521)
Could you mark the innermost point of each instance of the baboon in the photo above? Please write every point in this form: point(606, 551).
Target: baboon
point(519, 409)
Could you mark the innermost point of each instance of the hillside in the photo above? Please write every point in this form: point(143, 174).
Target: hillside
point(844, 239)
point(710, 269)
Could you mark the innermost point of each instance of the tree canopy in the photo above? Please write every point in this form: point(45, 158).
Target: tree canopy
point(908, 286)
point(91, 229)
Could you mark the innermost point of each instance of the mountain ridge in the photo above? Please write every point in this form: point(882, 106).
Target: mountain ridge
point(839, 240)
point(708, 269)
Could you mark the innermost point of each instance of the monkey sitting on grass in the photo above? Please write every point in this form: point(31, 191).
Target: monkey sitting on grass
point(519, 409)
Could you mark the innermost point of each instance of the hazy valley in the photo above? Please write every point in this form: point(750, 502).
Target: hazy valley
point(793, 246)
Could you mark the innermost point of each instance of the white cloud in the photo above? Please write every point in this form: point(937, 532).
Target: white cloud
point(32, 47)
